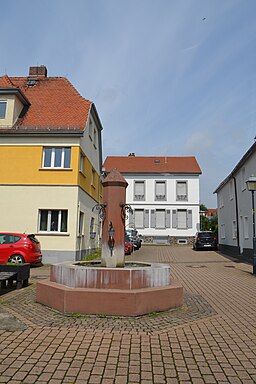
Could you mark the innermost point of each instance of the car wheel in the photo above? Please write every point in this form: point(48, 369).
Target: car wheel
point(17, 259)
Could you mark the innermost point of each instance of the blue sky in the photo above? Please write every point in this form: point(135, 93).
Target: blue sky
point(168, 77)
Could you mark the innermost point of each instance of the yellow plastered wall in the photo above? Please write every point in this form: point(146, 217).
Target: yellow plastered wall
point(23, 165)
point(85, 180)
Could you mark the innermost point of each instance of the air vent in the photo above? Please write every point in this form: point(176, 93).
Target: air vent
point(157, 161)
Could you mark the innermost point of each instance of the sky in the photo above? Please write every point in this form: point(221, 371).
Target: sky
point(168, 77)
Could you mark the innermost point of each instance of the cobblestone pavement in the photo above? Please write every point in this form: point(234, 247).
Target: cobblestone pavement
point(211, 339)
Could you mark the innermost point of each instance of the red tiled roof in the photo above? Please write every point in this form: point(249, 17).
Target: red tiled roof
point(55, 104)
point(152, 164)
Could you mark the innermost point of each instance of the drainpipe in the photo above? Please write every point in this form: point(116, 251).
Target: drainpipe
point(237, 218)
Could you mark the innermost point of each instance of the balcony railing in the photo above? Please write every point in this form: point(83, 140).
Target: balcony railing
point(139, 197)
point(182, 197)
point(160, 197)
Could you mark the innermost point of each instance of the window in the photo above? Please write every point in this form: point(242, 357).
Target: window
point(139, 190)
point(93, 178)
point(234, 229)
point(56, 157)
point(222, 231)
point(81, 163)
point(3, 105)
point(139, 218)
point(90, 128)
point(160, 190)
point(95, 137)
point(81, 224)
point(231, 189)
point(181, 188)
point(246, 227)
point(53, 220)
point(182, 218)
point(160, 218)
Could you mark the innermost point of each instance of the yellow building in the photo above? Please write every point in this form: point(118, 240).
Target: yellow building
point(50, 164)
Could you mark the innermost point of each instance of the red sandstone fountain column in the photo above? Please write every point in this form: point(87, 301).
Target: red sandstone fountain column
point(114, 192)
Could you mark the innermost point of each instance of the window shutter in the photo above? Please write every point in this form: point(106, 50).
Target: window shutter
point(168, 218)
point(153, 218)
point(146, 218)
point(131, 219)
point(174, 218)
point(189, 218)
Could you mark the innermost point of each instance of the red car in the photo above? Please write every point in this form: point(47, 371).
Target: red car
point(19, 248)
point(128, 248)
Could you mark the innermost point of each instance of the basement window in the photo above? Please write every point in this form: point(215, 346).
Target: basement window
point(3, 105)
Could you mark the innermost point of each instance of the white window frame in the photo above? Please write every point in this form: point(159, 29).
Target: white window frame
point(246, 227)
point(142, 211)
point(49, 213)
point(139, 197)
point(81, 163)
point(234, 229)
point(160, 197)
point(231, 189)
point(181, 197)
point(53, 157)
point(4, 102)
point(183, 211)
point(164, 222)
point(222, 231)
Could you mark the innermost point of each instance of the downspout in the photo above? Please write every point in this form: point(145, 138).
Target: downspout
point(237, 219)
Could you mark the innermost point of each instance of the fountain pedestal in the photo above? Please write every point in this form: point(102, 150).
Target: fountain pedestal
point(129, 291)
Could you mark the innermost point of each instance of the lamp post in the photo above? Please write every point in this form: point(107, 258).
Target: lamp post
point(251, 186)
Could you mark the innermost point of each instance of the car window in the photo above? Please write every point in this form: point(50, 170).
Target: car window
point(5, 238)
point(33, 239)
point(206, 234)
point(15, 239)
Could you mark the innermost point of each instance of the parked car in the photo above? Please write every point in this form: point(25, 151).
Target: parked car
point(128, 246)
point(19, 248)
point(205, 240)
point(135, 237)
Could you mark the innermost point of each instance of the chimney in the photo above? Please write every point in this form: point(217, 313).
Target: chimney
point(38, 71)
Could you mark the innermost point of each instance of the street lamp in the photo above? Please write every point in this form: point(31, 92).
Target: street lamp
point(251, 186)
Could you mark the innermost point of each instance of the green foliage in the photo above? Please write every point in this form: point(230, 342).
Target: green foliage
point(203, 208)
point(95, 255)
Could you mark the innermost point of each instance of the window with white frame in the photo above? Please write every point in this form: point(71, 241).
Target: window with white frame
point(53, 220)
point(246, 227)
point(182, 190)
point(56, 157)
point(93, 180)
point(181, 218)
point(139, 190)
point(221, 200)
point(160, 218)
point(81, 162)
point(234, 229)
point(3, 105)
point(222, 231)
point(139, 218)
point(90, 128)
point(160, 188)
point(231, 189)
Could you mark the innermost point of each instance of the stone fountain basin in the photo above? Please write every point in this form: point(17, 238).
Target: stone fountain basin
point(135, 275)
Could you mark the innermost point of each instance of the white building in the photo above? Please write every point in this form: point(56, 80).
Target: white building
point(235, 208)
point(164, 195)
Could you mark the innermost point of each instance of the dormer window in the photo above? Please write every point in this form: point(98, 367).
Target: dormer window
point(3, 105)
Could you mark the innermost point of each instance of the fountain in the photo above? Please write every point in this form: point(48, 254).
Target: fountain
point(112, 286)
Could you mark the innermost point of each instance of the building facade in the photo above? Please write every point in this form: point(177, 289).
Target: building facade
point(235, 208)
point(164, 195)
point(50, 164)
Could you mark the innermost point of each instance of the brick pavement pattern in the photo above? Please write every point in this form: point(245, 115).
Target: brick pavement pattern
point(211, 339)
